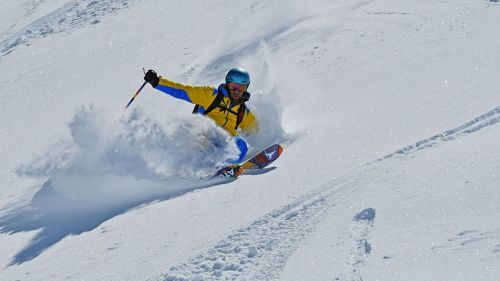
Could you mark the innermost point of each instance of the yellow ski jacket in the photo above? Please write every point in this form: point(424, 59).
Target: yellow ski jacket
point(204, 96)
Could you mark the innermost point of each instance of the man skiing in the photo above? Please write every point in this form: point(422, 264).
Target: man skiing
point(225, 105)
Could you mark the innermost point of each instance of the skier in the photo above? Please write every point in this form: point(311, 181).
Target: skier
point(224, 104)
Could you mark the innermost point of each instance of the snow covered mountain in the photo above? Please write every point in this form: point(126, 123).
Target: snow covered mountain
point(389, 112)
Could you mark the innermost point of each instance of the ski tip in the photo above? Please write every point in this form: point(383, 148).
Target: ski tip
point(279, 149)
point(275, 147)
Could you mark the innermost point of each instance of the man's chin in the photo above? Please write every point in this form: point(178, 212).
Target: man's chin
point(235, 97)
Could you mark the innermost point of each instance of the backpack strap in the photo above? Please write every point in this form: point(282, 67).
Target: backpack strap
point(241, 115)
point(216, 103)
point(196, 108)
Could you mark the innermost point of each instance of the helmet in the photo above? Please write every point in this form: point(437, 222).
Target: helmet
point(238, 75)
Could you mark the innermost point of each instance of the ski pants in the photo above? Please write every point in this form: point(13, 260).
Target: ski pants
point(243, 147)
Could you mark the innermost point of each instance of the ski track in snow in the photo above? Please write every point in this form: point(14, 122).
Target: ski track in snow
point(70, 16)
point(490, 118)
point(467, 238)
point(361, 228)
point(261, 250)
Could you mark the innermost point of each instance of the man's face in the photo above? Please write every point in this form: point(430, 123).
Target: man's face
point(236, 90)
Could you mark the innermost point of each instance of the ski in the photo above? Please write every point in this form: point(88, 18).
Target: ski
point(259, 161)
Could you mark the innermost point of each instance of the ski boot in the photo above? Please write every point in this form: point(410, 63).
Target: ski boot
point(230, 171)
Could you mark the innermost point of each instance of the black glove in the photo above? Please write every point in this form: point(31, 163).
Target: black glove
point(152, 78)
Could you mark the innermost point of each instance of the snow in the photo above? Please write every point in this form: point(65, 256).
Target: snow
point(388, 112)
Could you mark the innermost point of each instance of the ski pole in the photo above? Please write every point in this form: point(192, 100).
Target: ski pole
point(138, 91)
point(136, 94)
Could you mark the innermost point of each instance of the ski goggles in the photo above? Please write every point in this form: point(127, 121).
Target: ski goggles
point(237, 87)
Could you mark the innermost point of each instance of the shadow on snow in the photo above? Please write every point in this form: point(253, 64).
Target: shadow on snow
point(56, 216)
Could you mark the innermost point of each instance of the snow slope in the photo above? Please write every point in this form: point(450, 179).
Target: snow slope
point(388, 110)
